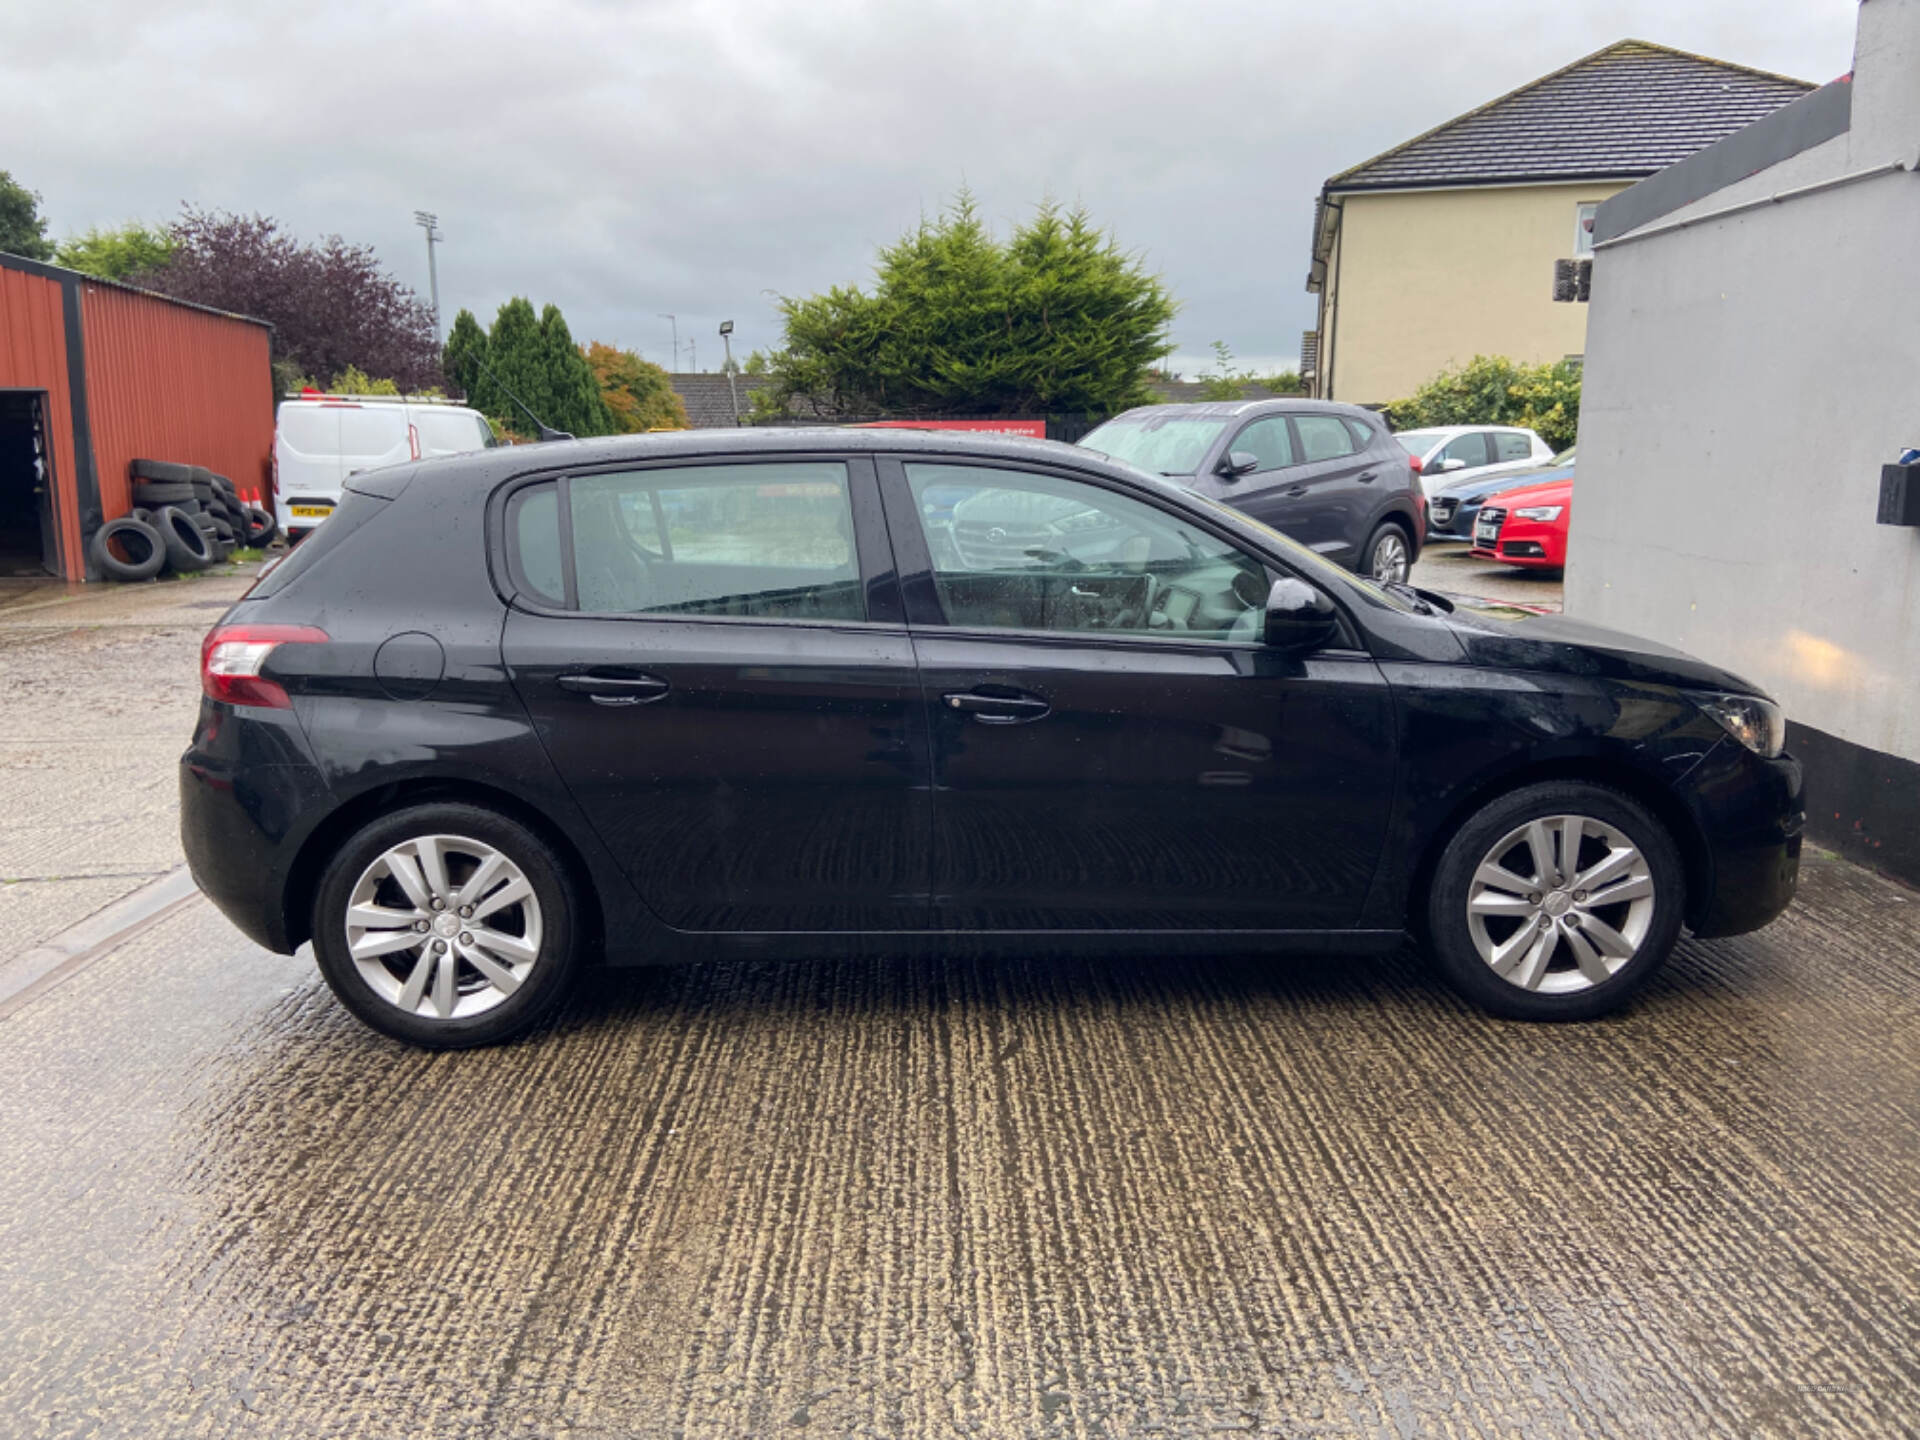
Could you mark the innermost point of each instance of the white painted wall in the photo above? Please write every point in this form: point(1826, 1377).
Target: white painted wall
point(1746, 378)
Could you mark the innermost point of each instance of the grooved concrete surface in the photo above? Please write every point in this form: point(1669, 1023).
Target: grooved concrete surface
point(981, 1198)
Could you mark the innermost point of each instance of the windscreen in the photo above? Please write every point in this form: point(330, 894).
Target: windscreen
point(1161, 444)
point(1418, 442)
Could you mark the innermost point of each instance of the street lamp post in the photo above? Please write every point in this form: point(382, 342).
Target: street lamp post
point(733, 389)
point(674, 321)
point(430, 223)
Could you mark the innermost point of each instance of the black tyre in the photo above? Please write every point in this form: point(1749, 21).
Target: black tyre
point(163, 470)
point(145, 517)
point(225, 486)
point(203, 491)
point(1388, 554)
point(188, 546)
point(1557, 901)
point(152, 494)
point(499, 946)
point(128, 549)
point(222, 530)
point(261, 526)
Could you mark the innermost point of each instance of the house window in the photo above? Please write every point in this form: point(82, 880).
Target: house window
point(1583, 229)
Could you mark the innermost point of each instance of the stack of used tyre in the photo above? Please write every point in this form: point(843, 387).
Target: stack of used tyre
point(184, 518)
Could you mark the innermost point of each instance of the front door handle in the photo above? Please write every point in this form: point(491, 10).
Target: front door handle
point(1295, 491)
point(1367, 475)
point(615, 689)
point(997, 709)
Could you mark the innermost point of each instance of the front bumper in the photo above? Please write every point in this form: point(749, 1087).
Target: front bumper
point(1751, 812)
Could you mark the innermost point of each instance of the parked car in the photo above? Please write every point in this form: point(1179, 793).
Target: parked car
point(1444, 451)
point(1328, 475)
point(320, 440)
point(1526, 527)
point(1453, 507)
point(671, 696)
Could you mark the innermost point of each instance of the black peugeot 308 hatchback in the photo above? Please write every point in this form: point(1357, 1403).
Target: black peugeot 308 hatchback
point(801, 692)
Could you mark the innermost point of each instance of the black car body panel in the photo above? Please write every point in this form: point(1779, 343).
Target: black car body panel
point(802, 785)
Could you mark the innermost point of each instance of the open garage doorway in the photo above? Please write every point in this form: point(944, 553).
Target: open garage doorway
point(26, 486)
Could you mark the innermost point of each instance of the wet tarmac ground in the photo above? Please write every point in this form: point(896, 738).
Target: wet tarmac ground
point(982, 1197)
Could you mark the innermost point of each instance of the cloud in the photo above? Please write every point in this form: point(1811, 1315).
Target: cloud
point(627, 159)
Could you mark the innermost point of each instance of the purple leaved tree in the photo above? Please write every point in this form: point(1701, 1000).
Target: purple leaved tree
point(331, 305)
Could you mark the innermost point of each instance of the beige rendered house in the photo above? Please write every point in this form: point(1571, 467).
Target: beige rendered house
point(1443, 248)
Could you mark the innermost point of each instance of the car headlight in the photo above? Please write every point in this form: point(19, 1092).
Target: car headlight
point(1756, 723)
point(1539, 512)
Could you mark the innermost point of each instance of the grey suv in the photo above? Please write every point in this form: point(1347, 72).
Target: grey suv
point(1331, 476)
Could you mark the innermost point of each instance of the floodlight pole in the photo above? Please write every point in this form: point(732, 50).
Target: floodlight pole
point(430, 223)
point(733, 389)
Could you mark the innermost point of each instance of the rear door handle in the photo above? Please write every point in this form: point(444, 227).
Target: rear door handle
point(1365, 475)
point(997, 709)
point(615, 689)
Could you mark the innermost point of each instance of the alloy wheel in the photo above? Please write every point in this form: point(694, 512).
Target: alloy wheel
point(443, 927)
point(1390, 557)
point(1560, 904)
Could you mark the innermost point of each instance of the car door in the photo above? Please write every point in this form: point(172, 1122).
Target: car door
point(1113, 745)
point(1279, 491)
point(1343, 480)
point(715, 656)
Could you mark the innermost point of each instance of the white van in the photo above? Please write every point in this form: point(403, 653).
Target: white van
point(319, 440)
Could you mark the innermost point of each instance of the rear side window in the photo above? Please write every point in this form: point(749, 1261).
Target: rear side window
point(1323, 437)
point(1507, 446)
point(353, 511)
point(770, 541)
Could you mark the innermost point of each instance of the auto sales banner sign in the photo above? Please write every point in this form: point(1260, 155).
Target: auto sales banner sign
point(1032, 429)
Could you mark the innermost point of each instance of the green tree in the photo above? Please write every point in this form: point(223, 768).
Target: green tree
point(466, 347)
point(577, 405)
point(117, 254)
point(638, 395)
point(23, 231)
point(1058, 318)
point(1493, 390)
point(516, 366)
point(355, 381)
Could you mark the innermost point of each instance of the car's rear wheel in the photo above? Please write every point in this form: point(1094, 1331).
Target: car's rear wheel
point(1389, 554)
point(447, 925)
point(1557, 901)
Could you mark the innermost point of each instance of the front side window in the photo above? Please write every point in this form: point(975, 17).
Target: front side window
point(1036, 552)
point(1324, 437)
point(1269, 441)
point(1469, 449)
point(768, 541)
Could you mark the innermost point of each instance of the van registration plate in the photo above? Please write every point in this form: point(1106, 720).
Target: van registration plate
point(311, 512)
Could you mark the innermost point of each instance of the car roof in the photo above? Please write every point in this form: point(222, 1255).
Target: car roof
point(1228, 409)
point(487, 467)
point(1460, 429)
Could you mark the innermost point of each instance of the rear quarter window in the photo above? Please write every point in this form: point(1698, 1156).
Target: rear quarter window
point(354, 511)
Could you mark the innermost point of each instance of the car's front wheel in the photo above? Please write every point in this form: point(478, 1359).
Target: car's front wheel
point(447, 925)
point(1557, 901)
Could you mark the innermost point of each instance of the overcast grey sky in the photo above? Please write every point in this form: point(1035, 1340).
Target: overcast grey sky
point(624, 159)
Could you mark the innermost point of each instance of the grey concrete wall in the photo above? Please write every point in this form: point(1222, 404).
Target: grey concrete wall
point(1746, 378)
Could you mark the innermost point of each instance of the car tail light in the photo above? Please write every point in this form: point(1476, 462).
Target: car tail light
point(1417, 463)
point(232, 655)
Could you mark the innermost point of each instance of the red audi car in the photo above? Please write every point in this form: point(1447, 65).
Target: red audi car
point(1526, 527)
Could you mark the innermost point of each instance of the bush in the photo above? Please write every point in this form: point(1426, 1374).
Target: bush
point(1493, 390)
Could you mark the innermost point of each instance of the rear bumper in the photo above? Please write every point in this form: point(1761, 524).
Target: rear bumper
point(248, 797)
point(1752, 812)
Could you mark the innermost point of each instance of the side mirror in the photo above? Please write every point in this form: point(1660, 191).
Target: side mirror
point(1299, 617)
point(1447, 467)
point(1236, 463)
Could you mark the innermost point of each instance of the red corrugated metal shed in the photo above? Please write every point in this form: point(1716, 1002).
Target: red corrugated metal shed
point(33, 356)
point(123, 374)
point(209, 402)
